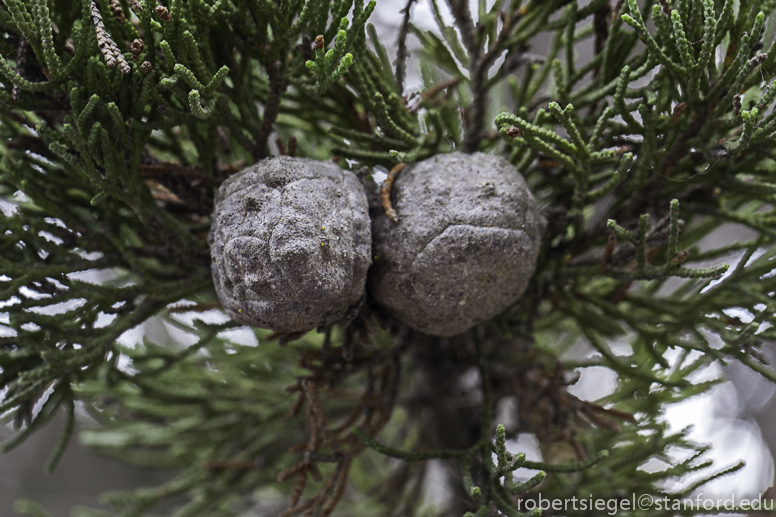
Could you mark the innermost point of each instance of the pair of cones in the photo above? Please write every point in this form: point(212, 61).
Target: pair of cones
point(293, 246)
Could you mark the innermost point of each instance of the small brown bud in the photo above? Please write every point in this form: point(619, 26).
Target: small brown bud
point(118, 14)
point(545, 162)
point(513, 132)
point(679, 258)
point(609, 251)
point(137, 47)
point(163, 13)
point(293, 144)
point(319, 42)
point(758, 60)
point(281, 146)
point(145, 67)
point(161, 193)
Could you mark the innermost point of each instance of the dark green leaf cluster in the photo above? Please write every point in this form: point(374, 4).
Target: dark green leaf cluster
point(119, 119)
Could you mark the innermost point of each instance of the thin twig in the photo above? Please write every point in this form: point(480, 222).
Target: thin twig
point(601, 27)
point(401, 47)
point(339, 489)
point(480, 63)
point(277, 86)
point(293, 144)
point(427, 94)
point(301, 481)
point(385, 193)
point(21, 60)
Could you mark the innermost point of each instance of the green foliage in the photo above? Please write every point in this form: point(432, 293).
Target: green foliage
point(120, 119)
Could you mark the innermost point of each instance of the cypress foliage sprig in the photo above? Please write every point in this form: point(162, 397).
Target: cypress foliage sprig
point(111, 153)
point(332, 65)
point(639, 241)
point(635, 20)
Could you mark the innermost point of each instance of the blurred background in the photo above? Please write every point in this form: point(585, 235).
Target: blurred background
point(737, 418)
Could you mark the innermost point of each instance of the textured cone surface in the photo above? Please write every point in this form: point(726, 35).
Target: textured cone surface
point(465, 247)
point(290, 244)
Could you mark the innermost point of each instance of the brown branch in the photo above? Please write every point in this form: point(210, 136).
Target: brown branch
point(314, 403)
point(427, 94)
point(293, 144)
point(476, 116)
point(377, 407)
point(601, 27)
point(297, 406)
point(389, 390)
point(291, 471)
point(21, 61)
point(401, 47)
point(281, 146)
point(296, 510)
point(339, 489)
point(616, 413)
point(480, 63)
point(611, 243)
point(277, 86)
point(460, 10)
point(671, 158)
point(301, 481)
point(385, 193)
point(327, 497)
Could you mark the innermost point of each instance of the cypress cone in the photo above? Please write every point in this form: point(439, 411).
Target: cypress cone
point(290, 244)
point(465, 246)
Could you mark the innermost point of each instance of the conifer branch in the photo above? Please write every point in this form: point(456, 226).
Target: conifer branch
point(110, 161)
point(110, 51)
